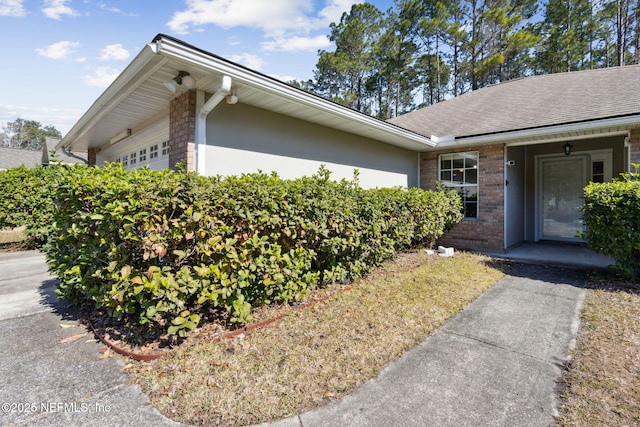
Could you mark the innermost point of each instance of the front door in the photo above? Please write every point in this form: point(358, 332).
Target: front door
point(560, 197)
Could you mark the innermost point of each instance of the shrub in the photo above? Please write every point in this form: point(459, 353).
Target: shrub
point(611, 213)
point(165, 248)
point(27, 200)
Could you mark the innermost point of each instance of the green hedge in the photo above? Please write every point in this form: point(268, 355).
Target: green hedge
point(27, 200)
point(165, 248)
point(611, 214)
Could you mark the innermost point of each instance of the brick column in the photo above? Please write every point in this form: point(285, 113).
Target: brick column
point(182, 128)
point(91, 157)
point(486, 232)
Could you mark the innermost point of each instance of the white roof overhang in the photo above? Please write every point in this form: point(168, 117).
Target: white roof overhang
point(138, 97)
point(547, 134)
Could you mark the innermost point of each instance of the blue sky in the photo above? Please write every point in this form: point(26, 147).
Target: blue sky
point(60, 55)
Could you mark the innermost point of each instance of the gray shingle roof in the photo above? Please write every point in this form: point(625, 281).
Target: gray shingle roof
point(15, 157)
point(532, 102)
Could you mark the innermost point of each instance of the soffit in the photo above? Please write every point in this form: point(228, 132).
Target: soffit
point(138, 97)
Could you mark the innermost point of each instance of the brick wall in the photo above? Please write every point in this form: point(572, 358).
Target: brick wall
point(182, 127)
point(634, 142)
point(91, 156)
point(485, 233)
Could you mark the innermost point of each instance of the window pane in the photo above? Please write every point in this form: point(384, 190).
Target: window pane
point(598, 168)
point(445, 162)
point(471, 161)
point(471, 193)
point(471, 176)
point(458, 176)
point(445, 176)
point(471, 210)
point(458, 163)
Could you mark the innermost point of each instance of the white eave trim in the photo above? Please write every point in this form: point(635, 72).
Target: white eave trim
point(121, 87)
point(260, 82)
point(549, 133)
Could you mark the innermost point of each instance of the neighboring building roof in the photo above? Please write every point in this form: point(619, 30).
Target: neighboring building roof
point(532, 103)
point(139, 95)
point(15, 157)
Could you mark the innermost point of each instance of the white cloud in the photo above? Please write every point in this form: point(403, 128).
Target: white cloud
point(55, 9)
point(61, 118)
point(333, 11)
point(248, 60)
point(102, 5)
point(114, 52)
point(12, 8)
point(59, 50)
point(273, 17)
point(296, 44)
point(101, 77)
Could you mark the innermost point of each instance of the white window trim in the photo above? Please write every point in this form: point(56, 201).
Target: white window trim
point(476, 185)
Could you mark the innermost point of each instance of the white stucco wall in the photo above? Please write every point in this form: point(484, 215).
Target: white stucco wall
point(244, 139)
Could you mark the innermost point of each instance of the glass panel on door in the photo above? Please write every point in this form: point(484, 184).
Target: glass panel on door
point(562, 182)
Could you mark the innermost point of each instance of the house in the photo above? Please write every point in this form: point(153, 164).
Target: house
point(521, 152)
point(15, 157)
point(177, 103)
point(503, 147)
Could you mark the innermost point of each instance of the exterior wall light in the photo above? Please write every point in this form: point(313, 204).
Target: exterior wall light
point(183, 79)
point(567, 148)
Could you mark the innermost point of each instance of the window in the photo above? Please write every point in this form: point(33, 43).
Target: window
point(165, 148)
point(459, 171)
point(597, 171)
point(125, 160)
point(142, 155)
point(153, 152)
point(132, 158)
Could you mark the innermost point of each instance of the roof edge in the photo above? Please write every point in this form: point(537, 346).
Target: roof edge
point(541, 131)
point(175, 47)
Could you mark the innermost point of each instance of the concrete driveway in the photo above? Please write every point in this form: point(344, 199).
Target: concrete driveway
point(45, 381)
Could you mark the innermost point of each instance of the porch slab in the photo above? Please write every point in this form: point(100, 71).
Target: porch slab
point(557, 254)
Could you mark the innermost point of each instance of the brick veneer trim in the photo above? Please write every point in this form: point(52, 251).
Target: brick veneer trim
point(487, 231)
point(182, 127)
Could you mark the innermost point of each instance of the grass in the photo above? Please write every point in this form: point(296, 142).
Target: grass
point(603, 379)
point(12, 240)
point(14, 235)
point(316, 354)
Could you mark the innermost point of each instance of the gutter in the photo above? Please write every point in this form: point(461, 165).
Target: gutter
point(529, 134)
point(70, 154)
point(175, 48)
point(223, 90)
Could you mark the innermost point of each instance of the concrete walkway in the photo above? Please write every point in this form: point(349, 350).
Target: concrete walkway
point(498, 363)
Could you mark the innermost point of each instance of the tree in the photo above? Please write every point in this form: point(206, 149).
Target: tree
point(567, 37)
point(27, 134)
point(429, 23)
point(341, 75)
point(618, 31)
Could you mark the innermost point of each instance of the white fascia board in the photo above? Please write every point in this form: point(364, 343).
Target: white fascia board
point(267, 84)
point(547, 134)
point(121, 87)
